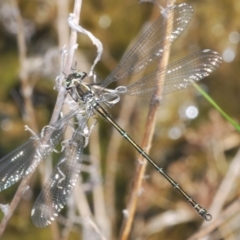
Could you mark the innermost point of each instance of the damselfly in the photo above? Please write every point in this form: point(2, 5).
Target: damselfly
point(88, 100)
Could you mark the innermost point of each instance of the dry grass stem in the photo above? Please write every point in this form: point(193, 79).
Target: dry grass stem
point(146, 144)
point(26, 88)
point(29, 115)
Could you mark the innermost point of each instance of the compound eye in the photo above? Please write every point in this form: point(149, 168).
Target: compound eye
point(67, 84)
point(81, 75)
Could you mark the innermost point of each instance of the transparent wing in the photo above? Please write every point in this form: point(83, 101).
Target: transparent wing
point(178, 75)
point(24, 159)
point(151, 45)
point(61, 182)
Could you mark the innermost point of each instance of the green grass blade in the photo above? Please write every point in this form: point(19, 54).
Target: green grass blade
point(216, 106)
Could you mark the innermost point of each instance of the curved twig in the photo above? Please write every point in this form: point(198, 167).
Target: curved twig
point(146, 145)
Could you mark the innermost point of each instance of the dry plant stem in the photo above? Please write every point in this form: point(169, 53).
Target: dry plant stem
point(17, 197)
point(111, 163)
point(113, 150)
point(70, 216)
point(228, 183)
point(95, 227)
point(84, 209)
point(161, 222)
point(99, 203)
point(68, 64)
point(29, 111)
point(79, 196)
point(146, 144)
point(26, 87)
point(62, 28)
point(63, 37)
point(57, 109)
point(67, 68)
point(82, 206)
point(229, 212)
point(73, 37)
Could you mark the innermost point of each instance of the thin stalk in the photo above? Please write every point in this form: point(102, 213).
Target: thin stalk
point(99, 203)
point(146, 145)
point(115, 141)
point(29, 115)
point(68, 64)
point(58, 106)
point(224, 190)
point(229, 213)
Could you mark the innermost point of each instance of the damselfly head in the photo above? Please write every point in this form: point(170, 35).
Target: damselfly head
point(73, 79)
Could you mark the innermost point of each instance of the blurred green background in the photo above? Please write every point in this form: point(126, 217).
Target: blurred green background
point(195, 150)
